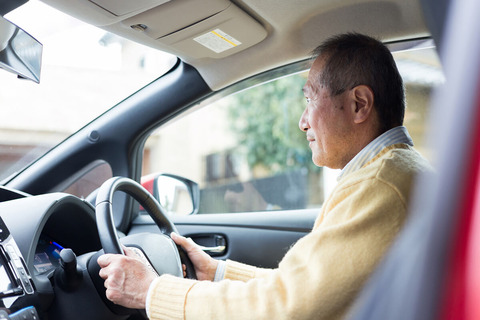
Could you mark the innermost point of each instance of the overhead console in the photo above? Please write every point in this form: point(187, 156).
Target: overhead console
point(197, 29)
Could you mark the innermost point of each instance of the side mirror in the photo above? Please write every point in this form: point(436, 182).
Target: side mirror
point(20, 53)
point(176, 194)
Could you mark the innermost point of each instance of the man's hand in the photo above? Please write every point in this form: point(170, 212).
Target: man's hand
point(127, 279)
point(205, 266)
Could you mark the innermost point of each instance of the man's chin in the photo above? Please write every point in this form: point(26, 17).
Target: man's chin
point(318, 161)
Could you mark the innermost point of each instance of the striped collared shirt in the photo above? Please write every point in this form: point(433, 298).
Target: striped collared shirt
point(392, 136)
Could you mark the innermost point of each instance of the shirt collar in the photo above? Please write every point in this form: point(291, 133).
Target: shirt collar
point(391, 137)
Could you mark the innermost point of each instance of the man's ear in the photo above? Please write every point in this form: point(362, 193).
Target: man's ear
point(362, 103)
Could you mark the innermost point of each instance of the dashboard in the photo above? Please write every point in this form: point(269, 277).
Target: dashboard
point(33, 232)
point(33, 277)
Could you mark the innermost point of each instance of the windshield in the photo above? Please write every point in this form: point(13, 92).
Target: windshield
point(85, 71)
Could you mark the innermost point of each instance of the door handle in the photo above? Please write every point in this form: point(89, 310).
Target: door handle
point(213, 244)
point(217, 249)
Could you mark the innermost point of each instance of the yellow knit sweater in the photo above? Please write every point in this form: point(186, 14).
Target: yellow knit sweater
point(322, 273)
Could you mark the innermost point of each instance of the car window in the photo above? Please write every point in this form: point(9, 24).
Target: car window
point(247, 153)
point(85, 71)
point(87, 180)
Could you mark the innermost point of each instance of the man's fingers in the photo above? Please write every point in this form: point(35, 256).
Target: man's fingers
point(127, 279)
point(129, 252)
point(177, 238)
point(104, 260)
point(109, 264)
point(182, 241)
point(102, 273)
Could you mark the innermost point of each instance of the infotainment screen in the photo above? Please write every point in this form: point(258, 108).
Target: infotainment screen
point(7, 282)
point(5, 279)
point(4, 233)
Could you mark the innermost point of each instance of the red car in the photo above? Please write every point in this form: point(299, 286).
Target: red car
point(199, 101)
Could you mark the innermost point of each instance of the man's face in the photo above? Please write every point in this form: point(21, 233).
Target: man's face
point(326, 121)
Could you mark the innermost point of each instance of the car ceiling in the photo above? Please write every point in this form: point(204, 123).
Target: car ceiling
point(271, 32)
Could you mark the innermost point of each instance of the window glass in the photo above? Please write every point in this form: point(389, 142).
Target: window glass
point(247, 153)
point(85, 71)
point(422, 73)
point(88, 179)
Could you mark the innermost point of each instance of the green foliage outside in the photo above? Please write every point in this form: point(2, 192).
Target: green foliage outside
point(265, 118)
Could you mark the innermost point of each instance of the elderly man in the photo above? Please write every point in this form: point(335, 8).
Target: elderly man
point(353, 121)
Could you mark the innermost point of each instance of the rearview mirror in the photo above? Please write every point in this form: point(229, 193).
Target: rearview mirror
point(20, 53)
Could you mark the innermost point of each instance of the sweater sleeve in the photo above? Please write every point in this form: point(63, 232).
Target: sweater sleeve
point(244, 272)
point(318, 278)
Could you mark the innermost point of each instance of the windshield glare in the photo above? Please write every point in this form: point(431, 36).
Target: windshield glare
point(85, 71)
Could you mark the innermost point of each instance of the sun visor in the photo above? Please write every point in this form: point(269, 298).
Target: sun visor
point(215, 29)
point(218, 36)
point(190, 28)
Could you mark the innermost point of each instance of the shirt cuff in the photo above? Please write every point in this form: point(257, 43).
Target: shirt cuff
point(147, 301)
point(220, 272)
point(239, 271)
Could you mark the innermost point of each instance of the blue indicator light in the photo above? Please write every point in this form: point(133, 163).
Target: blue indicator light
point(57, 245)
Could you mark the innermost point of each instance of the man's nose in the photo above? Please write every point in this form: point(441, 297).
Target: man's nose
point(303, 123)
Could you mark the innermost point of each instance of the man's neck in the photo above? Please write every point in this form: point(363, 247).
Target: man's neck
point(369, 151)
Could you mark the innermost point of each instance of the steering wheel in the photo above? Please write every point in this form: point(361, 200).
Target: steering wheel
point(160, 250)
